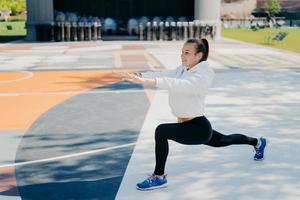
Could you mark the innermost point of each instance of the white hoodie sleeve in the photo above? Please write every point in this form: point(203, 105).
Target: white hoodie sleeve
point(198, 81)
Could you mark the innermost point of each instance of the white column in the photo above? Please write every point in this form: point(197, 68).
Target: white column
point(209, 11)
point(38, 12)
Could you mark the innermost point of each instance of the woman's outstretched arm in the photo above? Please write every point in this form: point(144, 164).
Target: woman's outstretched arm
point(150, 82)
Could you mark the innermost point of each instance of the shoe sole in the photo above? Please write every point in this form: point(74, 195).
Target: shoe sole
point(152, 188)
point(258, 159)
point(264, 152)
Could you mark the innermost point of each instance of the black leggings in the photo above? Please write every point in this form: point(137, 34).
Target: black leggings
point(195, 131)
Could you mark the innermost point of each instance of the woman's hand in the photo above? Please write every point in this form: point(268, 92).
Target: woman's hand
point(136, 79)
point(131, 78)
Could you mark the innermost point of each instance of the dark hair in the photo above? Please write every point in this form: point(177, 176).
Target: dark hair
point(201, 46)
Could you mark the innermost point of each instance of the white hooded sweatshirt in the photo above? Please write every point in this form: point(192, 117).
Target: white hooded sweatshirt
point(187, 88)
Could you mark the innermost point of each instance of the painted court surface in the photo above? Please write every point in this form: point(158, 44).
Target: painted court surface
point(71, 129)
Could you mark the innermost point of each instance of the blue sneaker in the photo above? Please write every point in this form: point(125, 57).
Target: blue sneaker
point(153, 182)
point(259, 151)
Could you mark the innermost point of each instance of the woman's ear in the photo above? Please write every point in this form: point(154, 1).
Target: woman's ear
point(199, 55)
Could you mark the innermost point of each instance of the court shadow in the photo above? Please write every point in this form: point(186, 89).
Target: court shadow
point(75, 190)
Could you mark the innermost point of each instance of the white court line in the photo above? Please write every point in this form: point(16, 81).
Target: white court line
point(66, 156)
point(151, 66)
point(29, 75)
point(72, 92)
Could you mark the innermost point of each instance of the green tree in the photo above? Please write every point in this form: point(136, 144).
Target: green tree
point(273, 7)
point(5, 5)
point(5, 9)
point(18, 6)
point(13, 5)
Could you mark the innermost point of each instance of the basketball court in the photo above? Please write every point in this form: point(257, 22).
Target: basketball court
point(71, 129)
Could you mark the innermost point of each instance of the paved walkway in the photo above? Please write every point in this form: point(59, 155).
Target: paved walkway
point(70, 129)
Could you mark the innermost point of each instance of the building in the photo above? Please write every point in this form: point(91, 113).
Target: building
point(41, 12)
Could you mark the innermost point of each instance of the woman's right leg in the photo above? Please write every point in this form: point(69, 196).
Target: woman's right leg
point(220, 140)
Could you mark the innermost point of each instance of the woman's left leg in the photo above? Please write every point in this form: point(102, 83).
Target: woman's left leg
point(196, 131)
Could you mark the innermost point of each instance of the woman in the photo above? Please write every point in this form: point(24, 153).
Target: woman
point(187, 86)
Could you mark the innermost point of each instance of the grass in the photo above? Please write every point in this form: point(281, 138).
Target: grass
point(18, 31)
point(291, 42)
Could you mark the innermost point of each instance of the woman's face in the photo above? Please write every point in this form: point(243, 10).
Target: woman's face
point(189, 57)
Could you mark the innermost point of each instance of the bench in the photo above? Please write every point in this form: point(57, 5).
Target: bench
point(279, 37)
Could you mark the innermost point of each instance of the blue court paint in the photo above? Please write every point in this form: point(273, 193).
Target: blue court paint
point(83, 123)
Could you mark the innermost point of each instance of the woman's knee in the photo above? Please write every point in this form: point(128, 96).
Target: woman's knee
point(160, 131)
